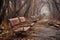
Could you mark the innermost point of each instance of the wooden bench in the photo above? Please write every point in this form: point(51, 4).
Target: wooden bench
point(17, 21)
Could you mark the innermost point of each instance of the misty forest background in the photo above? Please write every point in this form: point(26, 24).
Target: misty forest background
point(27, 8)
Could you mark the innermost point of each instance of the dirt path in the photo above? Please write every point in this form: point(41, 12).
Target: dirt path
point(40, 31)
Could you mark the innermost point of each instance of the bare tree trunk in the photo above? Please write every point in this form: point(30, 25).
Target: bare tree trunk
point(27, 8)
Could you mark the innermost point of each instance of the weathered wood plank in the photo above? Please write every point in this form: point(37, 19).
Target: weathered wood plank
point(21, 29)
point(15, 21)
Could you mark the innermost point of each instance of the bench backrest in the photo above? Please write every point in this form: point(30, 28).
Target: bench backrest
point(16, 21)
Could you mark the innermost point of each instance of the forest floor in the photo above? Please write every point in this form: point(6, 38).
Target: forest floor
point(40, 31)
